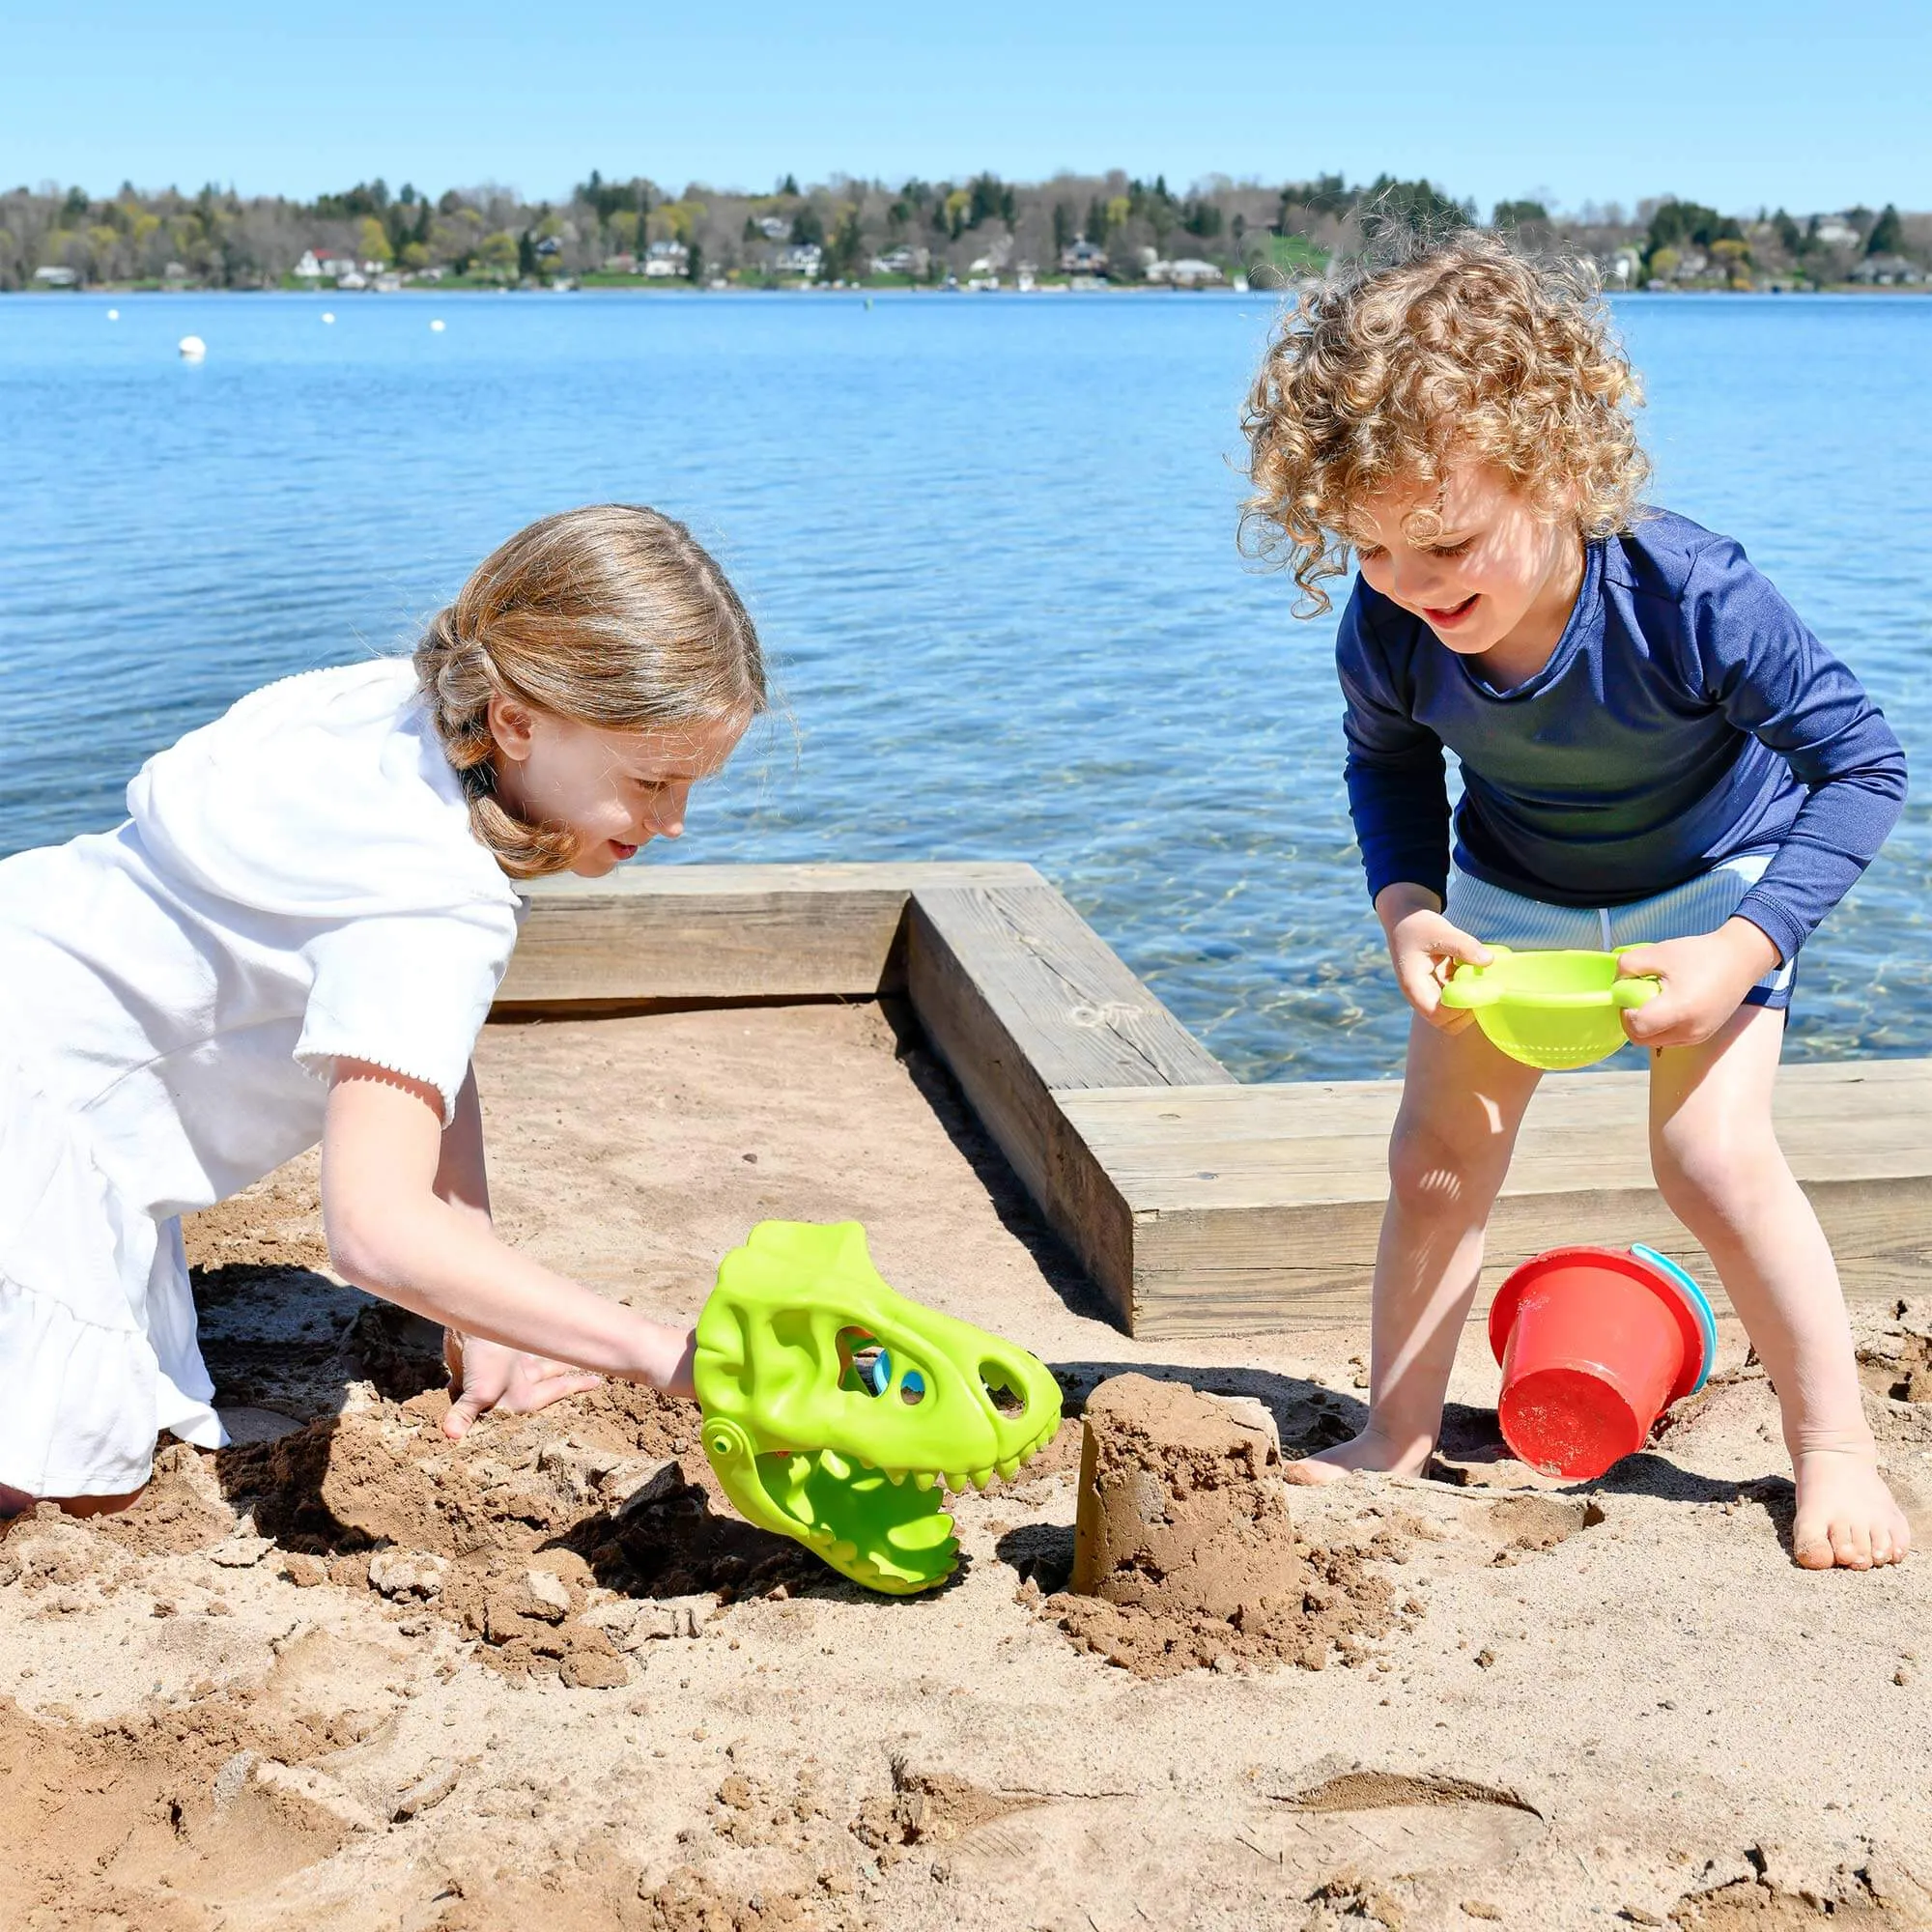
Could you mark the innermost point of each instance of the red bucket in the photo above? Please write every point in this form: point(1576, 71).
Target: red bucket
point(1594, 1344)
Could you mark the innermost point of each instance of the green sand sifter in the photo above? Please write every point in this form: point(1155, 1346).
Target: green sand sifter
point(1551, 1010)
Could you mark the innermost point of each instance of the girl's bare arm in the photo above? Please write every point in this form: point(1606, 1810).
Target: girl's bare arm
point(462, 1177)
point(407, 1213)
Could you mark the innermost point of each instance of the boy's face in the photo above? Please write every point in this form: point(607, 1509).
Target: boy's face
point(615, 790)
point(1491, 570)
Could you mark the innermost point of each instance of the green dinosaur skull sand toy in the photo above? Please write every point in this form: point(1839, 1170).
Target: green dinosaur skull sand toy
point(832, 1407)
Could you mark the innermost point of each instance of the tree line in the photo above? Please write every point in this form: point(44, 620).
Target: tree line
point(922, 230)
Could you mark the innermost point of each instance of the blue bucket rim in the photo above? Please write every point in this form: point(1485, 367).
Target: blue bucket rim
point(1693, 1298)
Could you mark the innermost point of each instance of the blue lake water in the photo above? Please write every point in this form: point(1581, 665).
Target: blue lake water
point(990, 542)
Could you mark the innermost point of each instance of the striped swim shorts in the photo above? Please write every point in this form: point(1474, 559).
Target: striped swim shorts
point(1498, 917)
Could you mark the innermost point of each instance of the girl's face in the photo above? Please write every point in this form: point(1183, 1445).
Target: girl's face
point(615, 790)
point(1495, 573)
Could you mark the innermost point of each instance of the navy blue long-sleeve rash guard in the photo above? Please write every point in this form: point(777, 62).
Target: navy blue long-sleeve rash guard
point(1686, 715)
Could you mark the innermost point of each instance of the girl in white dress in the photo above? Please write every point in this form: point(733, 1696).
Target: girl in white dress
point(295, 937)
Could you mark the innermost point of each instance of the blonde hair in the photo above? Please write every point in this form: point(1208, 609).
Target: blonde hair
point(1437, 350)
point(611, 615)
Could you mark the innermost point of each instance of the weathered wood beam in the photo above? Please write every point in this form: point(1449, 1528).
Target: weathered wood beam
point(1026, 1003)
point(653, 934)
point(1253, 1207)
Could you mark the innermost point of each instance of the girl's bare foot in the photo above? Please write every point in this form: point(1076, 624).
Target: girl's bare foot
point(1374, 1450)
point(1846, 1515)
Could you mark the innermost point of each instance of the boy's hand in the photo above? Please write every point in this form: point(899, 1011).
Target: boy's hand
point(1425, 949)
point(486, 1375)
point(1705, 979)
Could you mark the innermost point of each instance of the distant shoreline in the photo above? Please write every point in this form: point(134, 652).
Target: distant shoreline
point(680, 291)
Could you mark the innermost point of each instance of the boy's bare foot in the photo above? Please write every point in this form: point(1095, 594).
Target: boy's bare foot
point(1846, 1515)
point(1371, 1450)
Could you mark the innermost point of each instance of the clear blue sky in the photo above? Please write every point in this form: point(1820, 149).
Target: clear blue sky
point(1724, 102)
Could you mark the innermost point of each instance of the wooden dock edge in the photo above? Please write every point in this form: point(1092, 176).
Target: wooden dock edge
point(1197, 1205)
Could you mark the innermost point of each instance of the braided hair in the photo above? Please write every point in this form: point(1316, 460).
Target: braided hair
point(612, 615)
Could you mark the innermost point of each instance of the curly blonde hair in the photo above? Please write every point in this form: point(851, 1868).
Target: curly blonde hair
point(1439, 350)
point(611, 615)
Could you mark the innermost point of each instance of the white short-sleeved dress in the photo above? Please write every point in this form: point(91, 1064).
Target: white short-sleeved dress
point(295, 882)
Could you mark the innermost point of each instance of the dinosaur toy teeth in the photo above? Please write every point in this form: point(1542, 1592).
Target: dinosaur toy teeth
point(838, 1414)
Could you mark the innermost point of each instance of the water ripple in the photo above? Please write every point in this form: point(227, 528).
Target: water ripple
point(989, 543)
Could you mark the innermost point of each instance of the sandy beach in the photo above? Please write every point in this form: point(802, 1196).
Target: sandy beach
point(350, 1675)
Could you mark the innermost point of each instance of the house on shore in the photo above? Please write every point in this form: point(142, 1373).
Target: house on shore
point(667, 260)
point(1880, 271)
point(801, 258)
point(323, 264)
point(1623, 267)
point(1190, 271)
point(1083, 257)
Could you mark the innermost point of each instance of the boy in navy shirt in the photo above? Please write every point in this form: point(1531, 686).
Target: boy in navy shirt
point(1655, 751)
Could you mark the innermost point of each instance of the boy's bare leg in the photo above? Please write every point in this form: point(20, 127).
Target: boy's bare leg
point(1725, 1176)
point(1461, 1104)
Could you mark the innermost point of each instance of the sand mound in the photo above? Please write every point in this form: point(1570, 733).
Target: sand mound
point(520, 1529)
point(561, 1540)
point(180, 1509)
point(1185, 1554)
point(383, 1472)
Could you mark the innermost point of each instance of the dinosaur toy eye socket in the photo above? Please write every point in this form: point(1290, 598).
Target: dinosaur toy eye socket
point(1005, 1390)
point(867, 1369)
point(859, 1358)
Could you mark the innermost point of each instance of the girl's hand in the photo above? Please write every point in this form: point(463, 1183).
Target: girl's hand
point(1425, 949)
point(1705, 979)
point(486, 1375)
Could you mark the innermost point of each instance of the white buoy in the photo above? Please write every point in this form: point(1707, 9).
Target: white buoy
point(328, 315)
point(435, 328)
point(113, 315)
point(192, 348)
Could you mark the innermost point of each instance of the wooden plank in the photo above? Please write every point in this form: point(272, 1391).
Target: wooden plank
point(1254, 1206)
point(699, 933)
point(1199, 1206)
point(1198, 1272)
point(1025, 1001)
